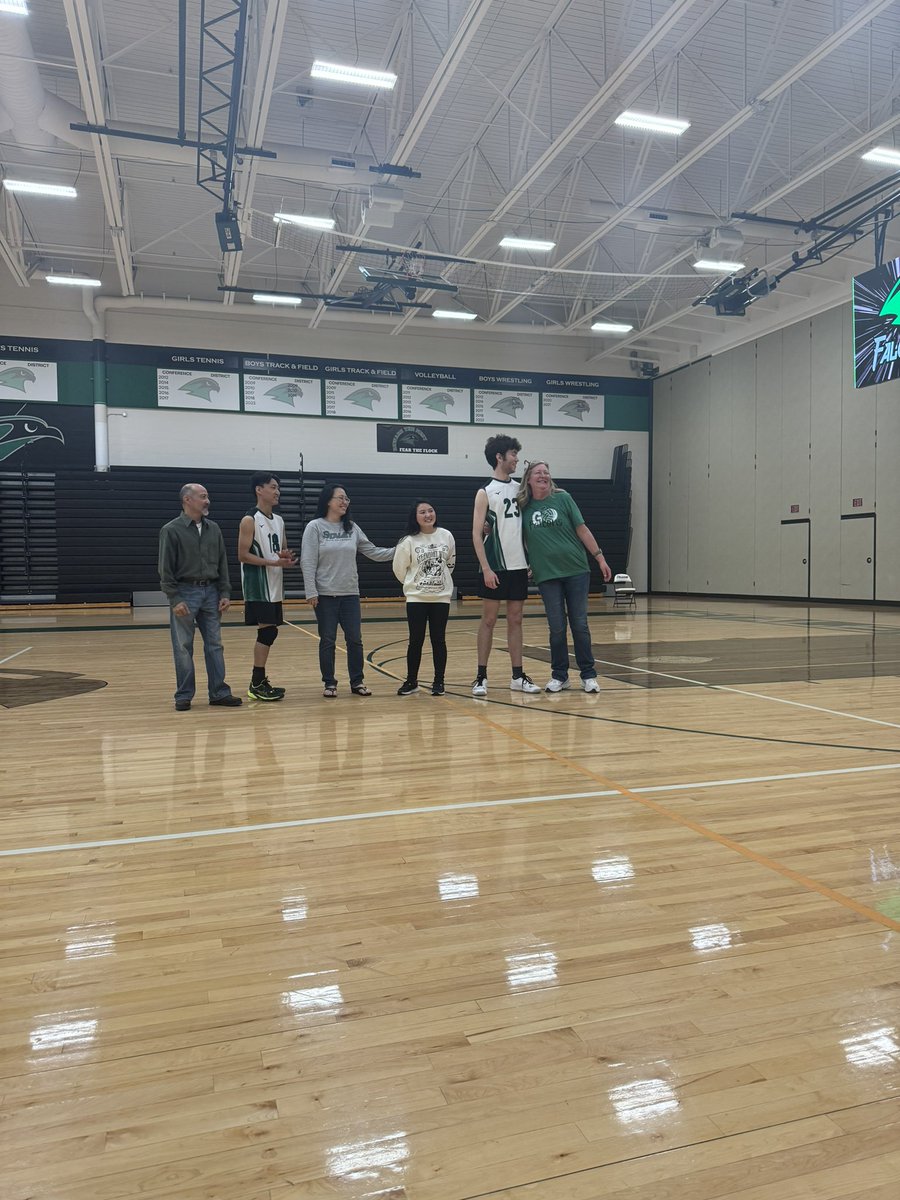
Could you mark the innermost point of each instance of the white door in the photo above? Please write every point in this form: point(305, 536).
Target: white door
point(794, 577)
point(858, 557)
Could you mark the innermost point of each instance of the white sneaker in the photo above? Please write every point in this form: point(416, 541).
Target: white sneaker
point(591, 685)
point(523, 684)
point(479, 687)
point(558, 685)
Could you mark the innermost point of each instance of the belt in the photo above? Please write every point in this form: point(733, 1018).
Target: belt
point(197, 582)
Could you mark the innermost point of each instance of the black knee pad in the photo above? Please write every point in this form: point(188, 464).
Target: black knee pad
point(267, 634)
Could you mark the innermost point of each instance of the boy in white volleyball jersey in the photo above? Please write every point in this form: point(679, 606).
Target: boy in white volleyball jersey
point(263, 556)
point(504, 567)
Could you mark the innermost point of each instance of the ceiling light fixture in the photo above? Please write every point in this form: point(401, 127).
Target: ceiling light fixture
point(883, 154)
point(18, 8)
point(360, 75)
point(276, 298)
point(651, 123)
point(454, 314)
point(610, 327)
point(517, 243)
point(74, 280)
point(29, 188)
point(283, 218)
point(722, 265)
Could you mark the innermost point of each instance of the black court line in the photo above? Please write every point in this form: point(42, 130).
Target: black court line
point(23, 629)
point(547, 711)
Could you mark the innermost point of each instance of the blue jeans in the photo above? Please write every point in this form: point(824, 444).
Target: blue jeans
point(568, 597)
point(203, 603)
point(332, 611)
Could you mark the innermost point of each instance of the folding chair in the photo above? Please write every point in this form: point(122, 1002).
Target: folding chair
point(624, 592)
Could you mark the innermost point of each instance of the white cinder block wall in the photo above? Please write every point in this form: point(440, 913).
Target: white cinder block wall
point(773, 476)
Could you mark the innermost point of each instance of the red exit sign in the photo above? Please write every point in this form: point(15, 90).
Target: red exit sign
point(795, 508)
point(857, 501)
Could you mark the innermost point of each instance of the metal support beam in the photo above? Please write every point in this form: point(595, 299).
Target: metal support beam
point(454, 57)
point(222, 41)
point(857, 22)
point(87, 62)
point(266, 64)
point(11, 251)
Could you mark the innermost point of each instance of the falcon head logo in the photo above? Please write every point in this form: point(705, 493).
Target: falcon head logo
point(576, 407)
point(890, 308)
point(364, 397)
point(20, 430)
point(438, 402)
point(21, 687)
point(201, 388)
point(286, 392)
point(510, 406)
point(16, 378)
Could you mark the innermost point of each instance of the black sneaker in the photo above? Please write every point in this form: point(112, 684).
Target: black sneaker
point(264, 691)
point(231, 701)
point(437, 689)
point(407, 688)
point(280, 691)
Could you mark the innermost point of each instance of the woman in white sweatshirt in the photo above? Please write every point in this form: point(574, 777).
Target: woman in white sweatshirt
point(423, 561)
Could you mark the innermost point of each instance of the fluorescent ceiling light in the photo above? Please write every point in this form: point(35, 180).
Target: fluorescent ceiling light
point(29, 188)
point(18, 7)
point(74, 280)
point(611, 327)
point(283, 218)
point(517, 243)
point(883, 154)
point(718, 264)
point(360, 75)
point(276, 298)
point(454, 314)
point(652, 123)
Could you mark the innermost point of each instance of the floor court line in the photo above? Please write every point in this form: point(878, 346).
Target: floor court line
point(510, 802)
point(722, 687)
point(10, 657)
point(711, 835)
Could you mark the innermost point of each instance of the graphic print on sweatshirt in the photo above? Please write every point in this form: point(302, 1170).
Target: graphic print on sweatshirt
point(429, 568)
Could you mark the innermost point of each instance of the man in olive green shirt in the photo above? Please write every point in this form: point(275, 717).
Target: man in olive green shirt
point(193, 572)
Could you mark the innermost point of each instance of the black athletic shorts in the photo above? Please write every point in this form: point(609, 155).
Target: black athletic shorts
point(513, 586)
point(263, 612)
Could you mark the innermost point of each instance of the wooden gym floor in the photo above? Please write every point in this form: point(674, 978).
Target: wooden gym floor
point(562, 947)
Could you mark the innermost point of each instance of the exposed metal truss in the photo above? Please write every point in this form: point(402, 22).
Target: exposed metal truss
point(505, 107)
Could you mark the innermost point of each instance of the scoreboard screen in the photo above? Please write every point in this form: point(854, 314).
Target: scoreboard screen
point(876, 325)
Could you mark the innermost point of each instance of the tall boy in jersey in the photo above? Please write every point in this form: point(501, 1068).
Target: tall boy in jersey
point(504, 568)
point(263, 556)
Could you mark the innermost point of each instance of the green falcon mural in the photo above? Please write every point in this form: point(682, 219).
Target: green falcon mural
point(19, 431)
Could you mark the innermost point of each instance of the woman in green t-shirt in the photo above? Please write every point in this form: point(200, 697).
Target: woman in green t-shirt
point(556, 539)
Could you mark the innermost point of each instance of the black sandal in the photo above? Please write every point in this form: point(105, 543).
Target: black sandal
point(360, 690)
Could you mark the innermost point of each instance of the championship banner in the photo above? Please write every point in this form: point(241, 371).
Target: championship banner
point(436, 394)
point(283, 385)
point(28, 379)
point(366, 391)
point(572, 402)
point(876, 325)
point(507, 398)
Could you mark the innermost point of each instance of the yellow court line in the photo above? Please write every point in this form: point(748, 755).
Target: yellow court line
point(720, 839)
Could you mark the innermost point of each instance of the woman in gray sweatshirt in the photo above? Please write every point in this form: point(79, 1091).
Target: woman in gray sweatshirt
point(328, 558)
